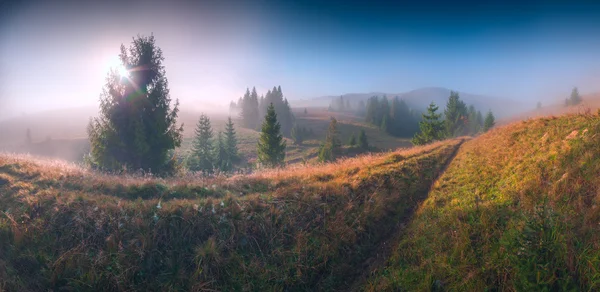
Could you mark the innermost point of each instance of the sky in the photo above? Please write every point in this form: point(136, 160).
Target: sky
point(55, 54)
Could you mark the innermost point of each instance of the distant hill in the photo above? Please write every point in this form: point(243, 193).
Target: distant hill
point(420, 98)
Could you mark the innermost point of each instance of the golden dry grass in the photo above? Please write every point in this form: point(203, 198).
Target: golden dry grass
point(517, 210)
point(303, 228)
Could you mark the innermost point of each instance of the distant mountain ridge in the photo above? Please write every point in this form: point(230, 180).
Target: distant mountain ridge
point(420, 98)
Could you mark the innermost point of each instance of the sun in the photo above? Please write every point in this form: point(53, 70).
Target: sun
point(114, 63)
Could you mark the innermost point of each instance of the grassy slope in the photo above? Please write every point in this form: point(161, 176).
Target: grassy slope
point(517, 209)
point(303, 228)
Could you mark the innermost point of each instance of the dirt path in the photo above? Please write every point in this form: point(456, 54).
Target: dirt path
point(378, 260)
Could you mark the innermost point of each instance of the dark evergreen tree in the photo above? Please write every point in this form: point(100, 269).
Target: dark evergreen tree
point(455, 115)
point(331, 149)
point(231, 143)
point(202, 147)
point(305, 112)
point(490, 121)
point(271, 145)
point(137, 127)
point(363, 143)
point(431, 126)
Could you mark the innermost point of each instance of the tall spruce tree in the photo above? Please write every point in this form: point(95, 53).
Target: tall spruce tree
point(137, 127)
point(455, 115)
point(490, 121)
point(271, 145)
point(431, 126)
point(231, 143)
point(202, 146)
point(331, 149)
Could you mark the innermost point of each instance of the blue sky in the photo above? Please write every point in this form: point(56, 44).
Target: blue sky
point(56, 53)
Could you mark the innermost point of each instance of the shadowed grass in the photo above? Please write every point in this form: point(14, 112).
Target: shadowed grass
point(301, 228)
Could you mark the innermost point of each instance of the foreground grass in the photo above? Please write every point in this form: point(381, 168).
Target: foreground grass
point(517, 210)
point(302, 228)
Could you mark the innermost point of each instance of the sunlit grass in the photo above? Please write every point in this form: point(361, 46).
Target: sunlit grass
point(517, 210)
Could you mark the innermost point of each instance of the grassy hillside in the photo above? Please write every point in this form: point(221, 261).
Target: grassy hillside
point(303, 228)
point(517, 210)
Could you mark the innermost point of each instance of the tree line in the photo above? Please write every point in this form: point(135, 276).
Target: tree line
point(457, 120)
point(252, 109)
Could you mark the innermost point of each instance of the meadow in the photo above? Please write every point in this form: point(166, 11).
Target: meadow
point(510, 210)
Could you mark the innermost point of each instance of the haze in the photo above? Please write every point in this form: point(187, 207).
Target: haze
point(55, 54)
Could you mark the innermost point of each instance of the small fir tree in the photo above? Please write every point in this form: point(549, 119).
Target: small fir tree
point(271, 145)
point(202, 148)
point(490, 121)
point(431, 127)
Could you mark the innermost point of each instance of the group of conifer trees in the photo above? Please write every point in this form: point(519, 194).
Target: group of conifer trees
point(394, 118)
point(210, 153)
point(341, 105)
point(252, 109)
point(457, 120)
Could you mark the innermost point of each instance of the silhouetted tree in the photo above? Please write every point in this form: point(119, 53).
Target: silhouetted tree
point(432, 127)
point(271, 146)
point(137, 126)
point(539, 105)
